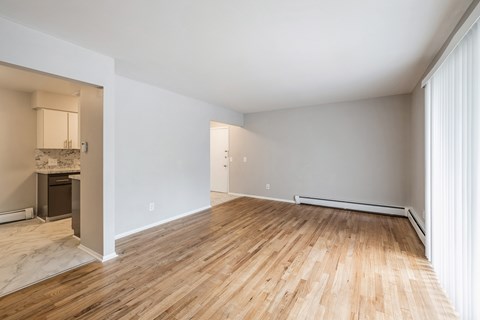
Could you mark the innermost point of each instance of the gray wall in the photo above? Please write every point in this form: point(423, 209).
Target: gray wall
point(162, 153)
point(417, 187)
point(356, 151)
point(18, 138)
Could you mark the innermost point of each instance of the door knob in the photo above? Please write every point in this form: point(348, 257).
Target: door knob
point(224, 165)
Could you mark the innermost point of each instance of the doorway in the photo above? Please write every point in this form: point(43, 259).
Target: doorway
point(53, 114)
point(219, 166)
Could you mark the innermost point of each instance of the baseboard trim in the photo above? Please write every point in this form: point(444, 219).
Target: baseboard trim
point(97, 255)
point(148, 226)
point(415, 221)
point(349, 205)
point(260, 197)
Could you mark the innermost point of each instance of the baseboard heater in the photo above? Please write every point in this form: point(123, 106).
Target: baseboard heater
point(16, 215)
point(419, 228)
point(350, 205)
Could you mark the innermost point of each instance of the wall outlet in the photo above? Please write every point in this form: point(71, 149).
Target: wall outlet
point(151, 206)
point(52, 162)
point(267, 186)
point(244, 159)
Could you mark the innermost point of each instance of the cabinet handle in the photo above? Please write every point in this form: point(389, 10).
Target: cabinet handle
point(65, 144)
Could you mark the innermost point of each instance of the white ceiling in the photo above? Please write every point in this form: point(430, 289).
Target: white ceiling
point(252, 55)
point(28, 81)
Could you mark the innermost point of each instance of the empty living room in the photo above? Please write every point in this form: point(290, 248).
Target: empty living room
point(290, 159)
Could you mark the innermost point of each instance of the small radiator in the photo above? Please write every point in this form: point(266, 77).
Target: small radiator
point(16, 215)
point(416, 223)
point(357, 206)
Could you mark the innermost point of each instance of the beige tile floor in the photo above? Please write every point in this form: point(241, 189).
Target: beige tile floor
point(32, 250)
point(217, 198)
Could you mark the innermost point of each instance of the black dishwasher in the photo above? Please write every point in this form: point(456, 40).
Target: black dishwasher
point(54, 196)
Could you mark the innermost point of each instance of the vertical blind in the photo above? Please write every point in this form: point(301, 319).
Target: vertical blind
point(452, 177)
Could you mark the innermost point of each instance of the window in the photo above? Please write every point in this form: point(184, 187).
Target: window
point(452, 175)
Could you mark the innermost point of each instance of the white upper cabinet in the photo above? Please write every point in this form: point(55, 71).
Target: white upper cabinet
point(73, 136)
point(57, 129)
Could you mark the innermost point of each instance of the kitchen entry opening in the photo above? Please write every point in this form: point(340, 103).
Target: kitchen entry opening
point(51, 161)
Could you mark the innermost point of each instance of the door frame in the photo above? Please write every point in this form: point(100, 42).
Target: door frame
point(102, 249)
point(228, 155)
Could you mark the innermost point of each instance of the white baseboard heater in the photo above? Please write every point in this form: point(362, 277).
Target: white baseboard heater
point(350, 205)
point(16, 215)
point(416, 223)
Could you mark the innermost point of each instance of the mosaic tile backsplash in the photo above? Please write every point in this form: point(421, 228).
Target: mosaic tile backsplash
point(66, 158)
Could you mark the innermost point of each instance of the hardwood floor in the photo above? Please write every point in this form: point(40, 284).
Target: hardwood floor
point(250, 259)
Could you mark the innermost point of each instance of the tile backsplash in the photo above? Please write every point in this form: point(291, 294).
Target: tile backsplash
point(66, 158)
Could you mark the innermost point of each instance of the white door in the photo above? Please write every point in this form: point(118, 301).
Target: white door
point(73, 131)
point(219, 159)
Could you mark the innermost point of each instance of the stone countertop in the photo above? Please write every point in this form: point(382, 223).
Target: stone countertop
point(57, 170)
point(74, 177)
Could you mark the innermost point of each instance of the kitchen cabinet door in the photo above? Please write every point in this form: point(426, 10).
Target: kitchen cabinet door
point(53, 132)
point(73, 136)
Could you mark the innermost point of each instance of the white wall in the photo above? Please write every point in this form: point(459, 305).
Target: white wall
point(417, 187)
point(18, 137)
point(354, 151)
point(162, 136)
point(162, 153)
point(35, 50)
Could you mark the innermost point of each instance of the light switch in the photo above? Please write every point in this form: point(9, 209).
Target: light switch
point(244, 159)
point(231, 159)
point(84, 147)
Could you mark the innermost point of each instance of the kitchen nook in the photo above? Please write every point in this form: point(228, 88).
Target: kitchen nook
point(40, 186)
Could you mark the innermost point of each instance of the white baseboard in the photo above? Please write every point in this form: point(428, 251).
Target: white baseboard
point(96, 255)
point(260, 197)
point(415, 221)
point(109, 256)
point(383, 209)
point(148, 226)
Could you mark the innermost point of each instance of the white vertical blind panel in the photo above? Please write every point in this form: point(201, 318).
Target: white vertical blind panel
point(428, 184)
point(452, 186)
point(473, 219)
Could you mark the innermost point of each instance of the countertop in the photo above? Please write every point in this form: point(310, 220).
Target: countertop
point(74, 177)
point(57, 170)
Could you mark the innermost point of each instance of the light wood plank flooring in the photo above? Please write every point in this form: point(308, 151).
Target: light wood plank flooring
point(250, 259)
